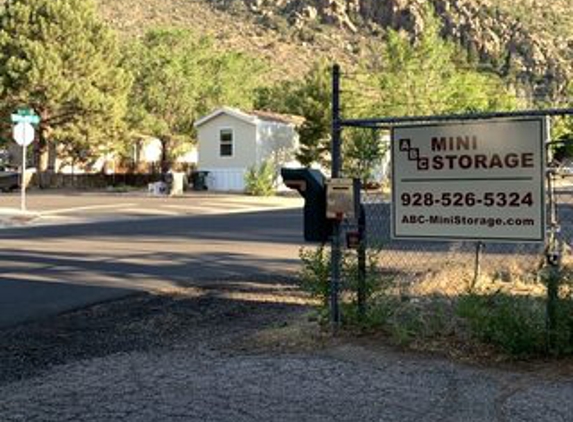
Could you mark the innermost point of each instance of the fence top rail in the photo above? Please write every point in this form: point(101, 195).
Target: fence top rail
point(389, 122)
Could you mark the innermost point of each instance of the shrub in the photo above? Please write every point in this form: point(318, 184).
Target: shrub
point(515, 324)
point(314, 277)
point(519, 324)
point(260, 181)
point(564, 330)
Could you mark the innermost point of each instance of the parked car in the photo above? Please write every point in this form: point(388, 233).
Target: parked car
point(9, 179)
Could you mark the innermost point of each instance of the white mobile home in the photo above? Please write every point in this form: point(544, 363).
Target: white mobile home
point(230, 141)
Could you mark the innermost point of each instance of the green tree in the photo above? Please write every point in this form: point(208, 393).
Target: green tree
point(180, 77)
point(424, 77)
point(58, 58)
point(562, 129)
point(431, 76)
point(428, 76)
point(363, 150)
point(310, 98)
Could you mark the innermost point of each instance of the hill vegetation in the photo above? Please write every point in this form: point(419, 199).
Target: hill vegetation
point(164, 63)
point(528, 40)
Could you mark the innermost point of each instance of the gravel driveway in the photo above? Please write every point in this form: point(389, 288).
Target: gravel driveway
point(247, 352)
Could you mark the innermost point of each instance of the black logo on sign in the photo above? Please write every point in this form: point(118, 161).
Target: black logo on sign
point(405, 145)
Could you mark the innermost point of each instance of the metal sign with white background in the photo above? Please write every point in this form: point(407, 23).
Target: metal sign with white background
point(23, 133)
point(470, 181)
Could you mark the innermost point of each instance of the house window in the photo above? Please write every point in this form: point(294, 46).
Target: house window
point(226, 143)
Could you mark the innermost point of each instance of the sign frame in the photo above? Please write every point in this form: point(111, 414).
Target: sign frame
point(543, 138)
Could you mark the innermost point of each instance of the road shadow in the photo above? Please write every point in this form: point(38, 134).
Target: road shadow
point(36, 284)
point(23, 301)
point(277, 226)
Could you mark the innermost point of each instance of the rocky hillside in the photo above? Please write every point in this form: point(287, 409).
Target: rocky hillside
point(529, 39)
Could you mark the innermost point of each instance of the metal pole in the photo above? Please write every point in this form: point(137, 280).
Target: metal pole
point(552, 300)
point(553, 260)
point(362, 264)
point(23, 181)
point(477, 268)
point(336, 119)
point(335, 172)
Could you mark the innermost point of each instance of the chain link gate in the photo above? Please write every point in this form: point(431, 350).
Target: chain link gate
point(423, 270)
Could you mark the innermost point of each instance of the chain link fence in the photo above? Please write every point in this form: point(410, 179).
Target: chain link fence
point(451, 268)
point(465, 276)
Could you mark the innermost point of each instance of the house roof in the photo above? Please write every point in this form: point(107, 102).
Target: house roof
point(289, 119)
point(252, 117)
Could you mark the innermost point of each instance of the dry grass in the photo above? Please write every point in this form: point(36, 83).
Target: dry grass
point(514, 276)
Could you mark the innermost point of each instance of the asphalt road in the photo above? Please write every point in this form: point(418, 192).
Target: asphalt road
point(213, 355)
point(51, 269)
point(235, 351)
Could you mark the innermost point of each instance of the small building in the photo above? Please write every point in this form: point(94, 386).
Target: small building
point(231, 141)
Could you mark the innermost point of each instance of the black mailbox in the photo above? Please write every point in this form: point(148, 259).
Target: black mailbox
point(311, 184)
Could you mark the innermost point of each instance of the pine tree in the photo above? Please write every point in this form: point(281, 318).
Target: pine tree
point(59, 59)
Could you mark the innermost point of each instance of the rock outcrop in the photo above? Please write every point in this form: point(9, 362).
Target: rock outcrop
point(529, 40)
point(495, 33)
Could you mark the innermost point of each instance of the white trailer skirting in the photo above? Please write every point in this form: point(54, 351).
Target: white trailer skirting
point(232, 179)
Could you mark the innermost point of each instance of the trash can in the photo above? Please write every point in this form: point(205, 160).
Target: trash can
point(199, 180)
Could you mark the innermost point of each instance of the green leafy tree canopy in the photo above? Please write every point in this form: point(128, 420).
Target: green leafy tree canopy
point(180, 77)
point(310, 98)
point(431, 76)
point(58, 58)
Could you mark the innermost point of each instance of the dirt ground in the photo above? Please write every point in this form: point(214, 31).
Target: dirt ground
point(250, 351)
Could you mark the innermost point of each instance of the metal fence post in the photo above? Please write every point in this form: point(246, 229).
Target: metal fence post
point(362, 264)
point(553, 262)
point(336, 254)
point(552, 300)
point(360, 216)
point(477, 265)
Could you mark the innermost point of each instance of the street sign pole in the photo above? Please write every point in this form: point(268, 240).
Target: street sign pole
point(23, 183)
point(24, 135)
